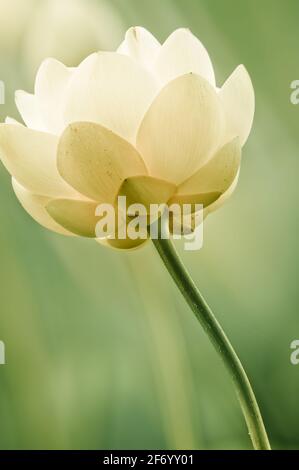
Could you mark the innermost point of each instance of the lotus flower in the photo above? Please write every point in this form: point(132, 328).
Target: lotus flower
point(147, 121)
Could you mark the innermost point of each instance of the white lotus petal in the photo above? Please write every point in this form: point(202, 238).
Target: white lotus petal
point(35, 204)
point(237, 97)
point(30, 156)
point(182, 53)
point(95, 161)
point(181, 129)
point(29, 110)
point(50, 91)
point(112, 90)
point(141, 45)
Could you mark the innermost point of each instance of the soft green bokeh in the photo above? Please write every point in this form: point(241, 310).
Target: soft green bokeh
point(102, 352)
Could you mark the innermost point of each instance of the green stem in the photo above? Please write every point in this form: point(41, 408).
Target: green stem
point(219, 339)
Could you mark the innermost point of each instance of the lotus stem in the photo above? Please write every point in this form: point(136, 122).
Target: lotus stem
point(218, 338)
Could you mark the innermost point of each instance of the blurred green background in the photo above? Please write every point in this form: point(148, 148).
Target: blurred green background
point(101, 350)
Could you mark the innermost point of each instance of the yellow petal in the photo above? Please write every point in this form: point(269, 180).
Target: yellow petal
point(81, 218)
point(140, 45)
point(195, 199)
point(213, 179)
point(122, 236)
point(75, 216)
point(237, 97)
point(126, 244)
point(95, 161)
point(30, 156)
point(146, 190)
point(35, 204)
point(112, 90)
point(224, 197)
point(181, 129)
point(182, 53)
